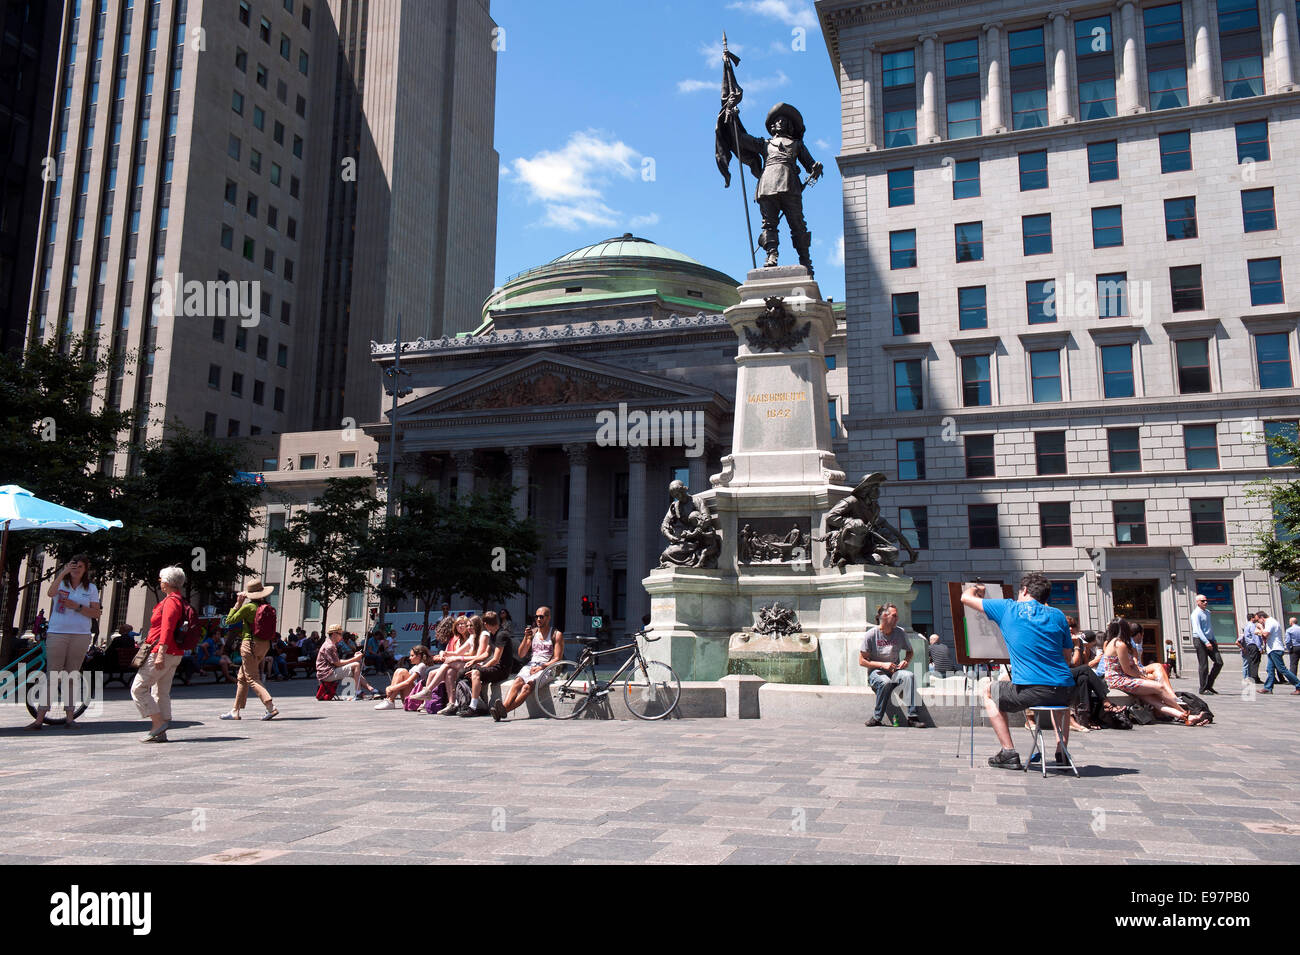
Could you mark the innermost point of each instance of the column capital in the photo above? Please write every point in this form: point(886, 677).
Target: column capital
point(1125, 3)
point(577, 453)
point(464, 458)
point(992, 27)
point(519, 456)
point(1058, 15)
point(637, 455)
point(927, 38)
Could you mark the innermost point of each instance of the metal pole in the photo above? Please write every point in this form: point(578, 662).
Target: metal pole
point(395, 375)
point(735, 135)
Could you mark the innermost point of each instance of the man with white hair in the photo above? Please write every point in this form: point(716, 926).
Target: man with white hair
point(1207, 648)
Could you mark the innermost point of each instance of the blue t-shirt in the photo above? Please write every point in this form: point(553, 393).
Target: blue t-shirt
point(1035, 635)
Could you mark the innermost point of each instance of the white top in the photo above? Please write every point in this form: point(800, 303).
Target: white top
point(69, 620)
point(1276, 636)
point(418, 670)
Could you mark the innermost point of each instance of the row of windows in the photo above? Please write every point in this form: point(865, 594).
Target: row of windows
point(252, 205)
point(1054, 528)
point(264, 25)
point(1118, 379)
point(241, 344)
point(1240, 52)
point(232, 426)
point(237, 387)
point(1124, 451)
point(234, 149)
point(248, 250)
point(237, 104)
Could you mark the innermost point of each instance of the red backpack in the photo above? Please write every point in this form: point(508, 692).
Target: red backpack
point(188, 631)
point(264, 623)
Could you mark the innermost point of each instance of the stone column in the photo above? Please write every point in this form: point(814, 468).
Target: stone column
point(638, 548)
point(869, 139)
point(576, 541)
point(928, 121)
point(1202, 70)
point(1284, 39)
point(996, 123)
point(464, 472)
point(698, 469)
point(519, 458)
point(1129, 92)
point(1060, 74)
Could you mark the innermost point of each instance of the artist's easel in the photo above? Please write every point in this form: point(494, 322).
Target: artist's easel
point(962, 646)
point(972, 682)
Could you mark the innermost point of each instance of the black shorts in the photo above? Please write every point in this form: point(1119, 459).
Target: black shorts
point(494, 674)
point(1013, 698)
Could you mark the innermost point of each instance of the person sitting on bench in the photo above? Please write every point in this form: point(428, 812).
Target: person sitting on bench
point(331, 669)
point(499, 665)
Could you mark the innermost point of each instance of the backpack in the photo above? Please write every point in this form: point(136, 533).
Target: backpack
point(1141, 714)
point(326, 691)
point(1115, 717)
point(188, 632)
point(264, 623)
point(1193, 704)
point(464, 693)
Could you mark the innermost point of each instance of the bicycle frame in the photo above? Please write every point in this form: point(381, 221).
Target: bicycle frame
point(589, 657)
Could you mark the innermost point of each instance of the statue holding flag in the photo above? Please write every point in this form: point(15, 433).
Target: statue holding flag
point(773, 161)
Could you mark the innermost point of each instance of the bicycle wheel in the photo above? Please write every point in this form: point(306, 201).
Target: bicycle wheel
point(563, 691)
point(652, 690)
point(36, 691)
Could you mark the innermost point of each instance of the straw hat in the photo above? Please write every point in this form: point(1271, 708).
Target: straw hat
point(256, 591)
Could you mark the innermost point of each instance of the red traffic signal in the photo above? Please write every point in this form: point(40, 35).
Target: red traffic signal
point(588, 608)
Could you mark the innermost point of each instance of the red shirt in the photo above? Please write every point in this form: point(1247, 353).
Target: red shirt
point(163, 623)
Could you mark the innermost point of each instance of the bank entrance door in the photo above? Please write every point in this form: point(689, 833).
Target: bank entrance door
point(1139, 601)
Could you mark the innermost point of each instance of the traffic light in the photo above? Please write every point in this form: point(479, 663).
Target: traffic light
point(588, 608)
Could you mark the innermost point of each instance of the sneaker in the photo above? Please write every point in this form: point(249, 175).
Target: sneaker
point(151, 738)
point(449, 711)
point(469, 711)
point(916, 722)
point(386, 705)
point(498, 712)
point(1006, 759)
point(1264, 691)
point(232, 715)
point(270, 714)
point(872, 722)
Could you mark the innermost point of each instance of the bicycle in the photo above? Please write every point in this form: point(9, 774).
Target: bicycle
point(651, 689)
point(34, 683)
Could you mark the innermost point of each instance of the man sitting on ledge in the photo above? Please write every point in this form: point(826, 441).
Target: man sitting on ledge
point(1039, 644)
point(879, 654)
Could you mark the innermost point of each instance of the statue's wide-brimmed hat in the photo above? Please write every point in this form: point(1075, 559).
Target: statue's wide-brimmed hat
point(790, 113)
point(871, 482)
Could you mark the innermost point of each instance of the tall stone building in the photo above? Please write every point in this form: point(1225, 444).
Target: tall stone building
point(1069, 237)
point(255, 189)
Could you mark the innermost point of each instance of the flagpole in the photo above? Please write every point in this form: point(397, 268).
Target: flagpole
point(735, 135)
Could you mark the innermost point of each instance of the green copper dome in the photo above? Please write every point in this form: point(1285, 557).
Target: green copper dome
point(626, 245)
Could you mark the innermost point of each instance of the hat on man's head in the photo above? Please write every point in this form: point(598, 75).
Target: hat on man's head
point(334, 628)
point(255, 590)
point(871, 482)
point(790, 113)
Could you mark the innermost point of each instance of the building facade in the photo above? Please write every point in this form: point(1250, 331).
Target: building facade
point(1069, 237)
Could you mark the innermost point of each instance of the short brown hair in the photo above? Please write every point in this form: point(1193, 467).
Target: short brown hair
point(490, 619)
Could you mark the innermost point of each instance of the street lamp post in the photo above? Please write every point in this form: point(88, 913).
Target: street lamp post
point(395, 390)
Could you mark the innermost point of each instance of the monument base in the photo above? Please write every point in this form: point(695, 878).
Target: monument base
point(793, 659)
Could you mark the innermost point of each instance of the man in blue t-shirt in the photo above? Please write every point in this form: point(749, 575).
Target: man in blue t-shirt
point(1039, 644)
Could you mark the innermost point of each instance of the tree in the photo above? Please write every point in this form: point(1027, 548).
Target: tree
point(418, 544)
point(1276, 548)
point(496, 549)
point(330, 542)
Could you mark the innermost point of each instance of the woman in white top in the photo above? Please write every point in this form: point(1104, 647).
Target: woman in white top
point(404, 679)
point(75, 608)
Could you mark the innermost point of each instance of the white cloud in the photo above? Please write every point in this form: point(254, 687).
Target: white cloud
point(761, 83)
point(837, 253)
point(792, 13)
point(694, 86)
point(822, 145)
point(637, 221)
point(712, 53)
point(570, 181)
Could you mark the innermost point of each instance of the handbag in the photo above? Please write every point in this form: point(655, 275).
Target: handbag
point(141, 655)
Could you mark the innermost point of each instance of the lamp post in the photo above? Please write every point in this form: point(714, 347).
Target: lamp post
point(395, 390)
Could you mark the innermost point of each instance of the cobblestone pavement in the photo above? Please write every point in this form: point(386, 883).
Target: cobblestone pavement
point(341, 782)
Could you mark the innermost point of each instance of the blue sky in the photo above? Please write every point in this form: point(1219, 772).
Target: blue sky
point(604, 121)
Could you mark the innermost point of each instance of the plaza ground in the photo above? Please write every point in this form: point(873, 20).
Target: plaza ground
point(343, 783)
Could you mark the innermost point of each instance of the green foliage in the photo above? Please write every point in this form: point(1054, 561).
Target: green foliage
point(330, 544)
point(491, 537)
point(1277, 547)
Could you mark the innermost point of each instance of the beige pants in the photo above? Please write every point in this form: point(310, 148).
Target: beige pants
point(252, 653)
point(64, 654)
point(152, 689)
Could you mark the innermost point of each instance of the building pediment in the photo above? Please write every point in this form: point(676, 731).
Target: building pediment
point(543, 381)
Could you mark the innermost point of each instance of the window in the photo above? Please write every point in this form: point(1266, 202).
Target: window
point(1180, 218)
point(282, 91)
point(1240, 48)
point(272, 216)
point(1130, 523)
point(830, 362)
point(302, 62)
point(1045, 375)
point(982, 523)
point(1049, 452)
point(275, 173)
point(969, 241)
point(1036, 233)
point(241, 59)
point(834, 415)
point(306, 16)
point(1193, 356)
point(1040, 301)
point(232, 147)
point(262, 347)
point(259, 118)
point(923, 607)
point(244, 12)
point(237, 102)
point(237, 385)
point(232, 191)
point(250, 204)
point(907, 318)
point(1094, 52)
point(218, 329)
point(902, 190)
point(907, 385)
point(976, 386)
point(980, 462)
point(1252, 141)
point(972, 307)
point(264, 30)
point(1166, 56)
point(898, 92)
point(1103, 161)
point(293, 186)
point(262, 76)
point(911, 459)
point(966, 179)
point(1265, 281)
point(306, 462)
point(282, 355)
point(210, 424)
point(1033, 170)
point(1124, 448)
point(214, 376)
point(286, 48)
point(285, 309)
point(259, 392)
point(277, 133)
point(902, 249)
point(227, 238)
point(1273, 359)
point(962, 87)
point(1117, 371)
point(1054, 524)
point(1112, 295)
point(1028, 78)
point(279, 399)
point(1176, 151)
point(1107, 227)
point(1185, 288)
point(1207, 521)
point(348, 459)
point(288, 270)
point(241, 338)
point(914, 525)
point(255, 160)
point(300, 106)
point(1290, 430)
point(297, 146)
point(1257, 210)
point(249, 249)
point(1200, 447)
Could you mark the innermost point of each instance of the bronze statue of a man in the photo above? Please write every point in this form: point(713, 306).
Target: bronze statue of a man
point(858, 534)
point(780, 190)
